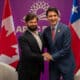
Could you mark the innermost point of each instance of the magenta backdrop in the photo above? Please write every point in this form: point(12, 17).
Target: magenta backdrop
point(21, 7)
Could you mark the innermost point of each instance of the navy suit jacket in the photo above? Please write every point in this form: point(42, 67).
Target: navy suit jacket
point(60, 48)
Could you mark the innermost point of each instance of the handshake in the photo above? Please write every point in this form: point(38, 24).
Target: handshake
point(47, 56)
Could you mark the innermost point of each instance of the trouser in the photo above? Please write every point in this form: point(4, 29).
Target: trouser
point(27, 76)
point(55, 73)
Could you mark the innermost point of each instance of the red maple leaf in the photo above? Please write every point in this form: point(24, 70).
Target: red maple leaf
point(6, 43)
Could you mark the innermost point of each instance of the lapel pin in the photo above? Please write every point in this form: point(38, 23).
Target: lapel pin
point(59, 30)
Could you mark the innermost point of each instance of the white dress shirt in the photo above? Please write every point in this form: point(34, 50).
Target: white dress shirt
point(37, 37)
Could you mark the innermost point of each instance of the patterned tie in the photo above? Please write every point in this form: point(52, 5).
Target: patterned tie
point(53, 33)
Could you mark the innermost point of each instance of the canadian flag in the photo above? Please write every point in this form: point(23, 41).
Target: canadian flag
point(75, 31)
point(8, 40)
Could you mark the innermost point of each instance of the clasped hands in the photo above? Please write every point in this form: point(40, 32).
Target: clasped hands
point(47, 56)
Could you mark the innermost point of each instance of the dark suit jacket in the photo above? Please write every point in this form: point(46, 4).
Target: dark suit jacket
point(60, 48)
point(31, 60)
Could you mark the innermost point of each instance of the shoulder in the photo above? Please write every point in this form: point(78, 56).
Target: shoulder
point(64, 26)
point(23, 36)
point(46, 29)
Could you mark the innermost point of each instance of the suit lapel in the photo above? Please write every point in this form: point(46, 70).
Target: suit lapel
point(49, 33)
point(57, 32)
point(40, 36)
point(32, 39)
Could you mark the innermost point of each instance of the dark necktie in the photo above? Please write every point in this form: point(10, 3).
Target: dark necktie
point(53, 33)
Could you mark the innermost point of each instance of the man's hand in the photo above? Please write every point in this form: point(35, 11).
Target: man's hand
point(47, 56)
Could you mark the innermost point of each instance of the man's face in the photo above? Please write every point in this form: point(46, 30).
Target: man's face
point(53, 17)
point(32, 24)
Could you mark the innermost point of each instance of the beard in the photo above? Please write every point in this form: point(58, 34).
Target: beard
point(32, 28)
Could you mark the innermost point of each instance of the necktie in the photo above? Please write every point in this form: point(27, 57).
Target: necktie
point(53, 33)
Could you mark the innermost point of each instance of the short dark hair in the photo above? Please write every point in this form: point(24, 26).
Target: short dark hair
point(54, 10)
point(30, 16)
